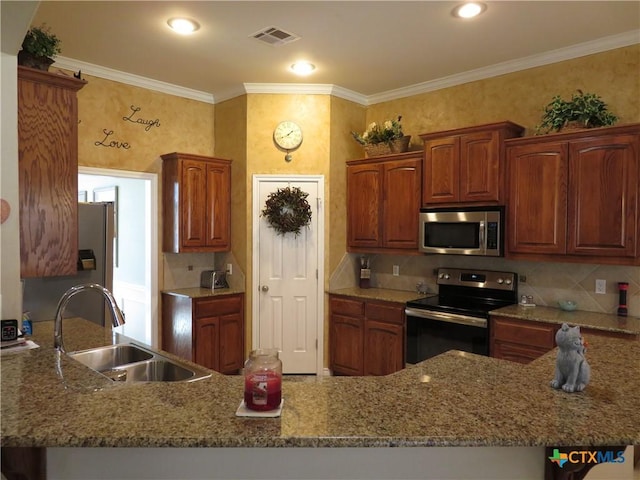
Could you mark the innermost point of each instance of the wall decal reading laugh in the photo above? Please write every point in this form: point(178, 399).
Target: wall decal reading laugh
point(141, 121)
point(113, 143)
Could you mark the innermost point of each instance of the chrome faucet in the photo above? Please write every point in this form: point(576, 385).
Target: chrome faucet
point(117, 318)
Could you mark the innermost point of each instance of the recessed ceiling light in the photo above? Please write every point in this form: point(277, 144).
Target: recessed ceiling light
point(302, 68)
point(469, 9)
point(183, 26)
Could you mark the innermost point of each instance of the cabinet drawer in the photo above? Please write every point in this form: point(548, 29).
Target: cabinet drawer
point(346, 306)
point(516, 353)
point(524, 333)
point(213, 307)
point(384, 312)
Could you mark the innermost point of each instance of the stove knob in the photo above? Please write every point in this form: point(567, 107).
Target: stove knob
point(500, 281)
point(508, 281)
point(441, 275)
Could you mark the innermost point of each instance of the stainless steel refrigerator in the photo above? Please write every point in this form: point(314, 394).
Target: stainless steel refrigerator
point(96, 235)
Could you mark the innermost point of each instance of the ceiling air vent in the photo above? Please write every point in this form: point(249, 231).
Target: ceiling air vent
point(275, 36)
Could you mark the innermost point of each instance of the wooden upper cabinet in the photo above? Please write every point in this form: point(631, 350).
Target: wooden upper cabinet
point(196, 203)
point(576, 195)
point(48, 172)
point(383, 202)
point(466, 165)
point(603, 196)
point(537, 216)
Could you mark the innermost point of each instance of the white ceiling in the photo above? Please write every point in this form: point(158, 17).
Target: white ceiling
point(369, 48)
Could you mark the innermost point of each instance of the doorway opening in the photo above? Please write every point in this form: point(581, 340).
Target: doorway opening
point(135, 269)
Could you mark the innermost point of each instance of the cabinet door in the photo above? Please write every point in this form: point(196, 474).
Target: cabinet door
point(441, 170)
point(218, 211)
point(206, 340)
point(231, 356)
point(194, 187)
point(48, 173)
point(603, 196)
point(401, 204)
point(383, 348)
point(364, 183)
point(347, 343)
point(537, 213)
point(480, 167)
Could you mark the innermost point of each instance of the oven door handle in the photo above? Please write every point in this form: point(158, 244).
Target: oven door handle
point(446, 317)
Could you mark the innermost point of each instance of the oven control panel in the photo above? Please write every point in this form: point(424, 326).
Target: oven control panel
point(477, 278)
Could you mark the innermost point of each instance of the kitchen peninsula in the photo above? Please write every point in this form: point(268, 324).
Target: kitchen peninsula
point(453, 400)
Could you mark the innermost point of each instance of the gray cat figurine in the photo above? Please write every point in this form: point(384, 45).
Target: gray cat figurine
point(572, 369)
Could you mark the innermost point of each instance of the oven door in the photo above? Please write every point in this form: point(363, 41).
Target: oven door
point(430, 333)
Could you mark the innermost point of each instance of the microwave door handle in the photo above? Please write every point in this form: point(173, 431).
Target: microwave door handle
point(482, 245)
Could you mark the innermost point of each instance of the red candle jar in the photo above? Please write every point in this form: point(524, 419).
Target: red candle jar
point(263, 380)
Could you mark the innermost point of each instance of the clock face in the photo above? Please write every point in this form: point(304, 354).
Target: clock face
point(287, 135)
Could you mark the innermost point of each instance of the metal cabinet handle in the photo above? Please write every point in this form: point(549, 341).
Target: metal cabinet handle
point(265, 288)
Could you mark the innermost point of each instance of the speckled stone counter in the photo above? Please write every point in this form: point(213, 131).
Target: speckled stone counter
point(455, 399)
point(197, 292)
point(398, 296)
point(599, 321)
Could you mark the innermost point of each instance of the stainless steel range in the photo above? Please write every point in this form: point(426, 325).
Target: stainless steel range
point(457, 318)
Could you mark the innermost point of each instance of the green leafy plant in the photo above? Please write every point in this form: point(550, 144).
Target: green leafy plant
point(40, 42)
point(585, 109)
point(389, 131)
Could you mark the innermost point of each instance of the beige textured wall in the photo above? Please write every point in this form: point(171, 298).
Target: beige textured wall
point(183, 125)
point(521, 96)
point(231, 142)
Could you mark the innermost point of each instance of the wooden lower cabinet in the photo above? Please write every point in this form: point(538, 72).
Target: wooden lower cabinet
point(208, 331)
point(366, 336)
point(519, 340)
point(523, 341)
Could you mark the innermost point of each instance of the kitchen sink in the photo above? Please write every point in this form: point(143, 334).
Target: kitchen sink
point(131, 363)
point(152, 371)
point(112, 356)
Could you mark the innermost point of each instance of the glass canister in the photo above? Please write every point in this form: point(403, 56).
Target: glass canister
point(263, 380)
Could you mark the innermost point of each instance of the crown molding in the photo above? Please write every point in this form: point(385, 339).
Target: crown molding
point(305, 89)
point(131, 79)
point(575, 51)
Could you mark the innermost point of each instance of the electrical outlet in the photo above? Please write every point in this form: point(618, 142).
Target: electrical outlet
point(230, 268)
point(601, 286)
point(396, 270)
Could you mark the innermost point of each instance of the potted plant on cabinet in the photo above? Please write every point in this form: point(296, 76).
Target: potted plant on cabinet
point(383, 139)
point(38, 48)
point(584, 110)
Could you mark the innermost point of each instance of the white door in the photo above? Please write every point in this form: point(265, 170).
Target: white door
point(287, 312)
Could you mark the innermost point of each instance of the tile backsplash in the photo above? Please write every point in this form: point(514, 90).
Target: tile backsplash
point(182, 270)
point(546, 282)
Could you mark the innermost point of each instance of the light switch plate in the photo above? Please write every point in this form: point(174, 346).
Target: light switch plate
point(601, 286)
point(396, 270)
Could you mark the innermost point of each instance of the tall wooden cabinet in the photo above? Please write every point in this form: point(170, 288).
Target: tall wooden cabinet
point(466, 165)
point(208, 331)
point(48, 172)
point(366, 337)
point(383, 202)
point(575, 195)
point(196, 203)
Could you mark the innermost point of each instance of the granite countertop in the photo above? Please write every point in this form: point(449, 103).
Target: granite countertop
point(398, 296)
point(454, 399)
point(599, 321)
point(197, 292)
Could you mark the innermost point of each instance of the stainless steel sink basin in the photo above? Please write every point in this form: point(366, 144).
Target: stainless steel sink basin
point(112, 356)
point(152, 371)
point(131, 363)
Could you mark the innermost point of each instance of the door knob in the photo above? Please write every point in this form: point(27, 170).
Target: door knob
point(265, 288)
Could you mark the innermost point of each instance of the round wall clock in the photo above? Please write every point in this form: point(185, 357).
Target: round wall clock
point(288, 136)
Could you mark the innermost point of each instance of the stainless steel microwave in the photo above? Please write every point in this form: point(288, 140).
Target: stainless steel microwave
point(462, 231)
